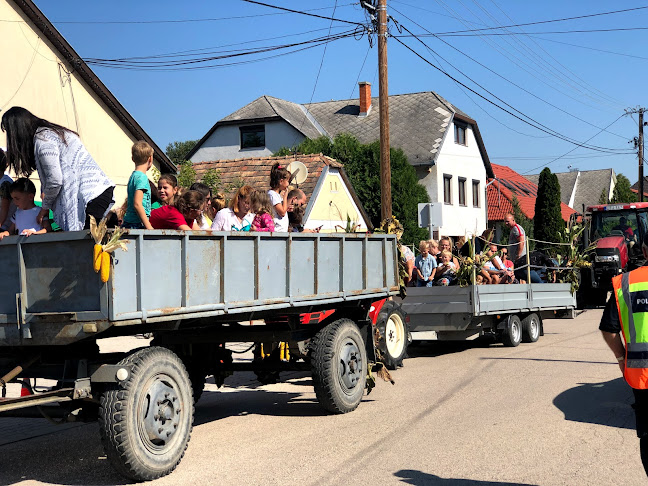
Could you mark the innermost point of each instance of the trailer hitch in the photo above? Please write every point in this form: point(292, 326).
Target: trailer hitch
point(13, 373)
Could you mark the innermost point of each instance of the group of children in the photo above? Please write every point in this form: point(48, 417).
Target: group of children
point(436, 265)
point(249, 209)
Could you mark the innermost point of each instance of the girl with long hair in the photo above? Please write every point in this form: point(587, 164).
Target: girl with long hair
point(279, 180)
point(236, 217)
point(181, 215)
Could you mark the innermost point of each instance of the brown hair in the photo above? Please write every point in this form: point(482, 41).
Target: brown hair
point(188, 201)
point(277, 173)
point(172, 180)
point(244, 192)
point(260, 202)
point(218, 201)
point(141, 151)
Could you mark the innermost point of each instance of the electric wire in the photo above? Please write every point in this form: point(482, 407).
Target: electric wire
point(591, 48)
point(523, 63)
point(532, 123)
point(507, 79)
point(575, 148)
point(302, 12)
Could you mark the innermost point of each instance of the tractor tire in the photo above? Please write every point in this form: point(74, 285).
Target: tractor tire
point(339, 366)
point(146, 420)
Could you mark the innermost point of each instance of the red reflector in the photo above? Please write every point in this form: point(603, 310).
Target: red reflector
point(24, 390)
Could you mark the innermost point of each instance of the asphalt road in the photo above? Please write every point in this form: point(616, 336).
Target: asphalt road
point(551, 413)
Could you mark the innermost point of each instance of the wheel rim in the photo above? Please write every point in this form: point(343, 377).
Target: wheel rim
point(351, 366)
point(516, 331)
point(159, 413)
point(534, 328)
point(395, 335)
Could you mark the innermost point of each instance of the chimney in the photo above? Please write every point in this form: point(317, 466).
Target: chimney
point(365, 98)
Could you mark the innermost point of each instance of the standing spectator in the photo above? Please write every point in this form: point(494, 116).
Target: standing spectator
point(517, 246)
point(425, 265)
point(74, 186)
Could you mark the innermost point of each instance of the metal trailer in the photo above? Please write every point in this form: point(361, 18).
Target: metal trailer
point(510, 313)
point(195, 292)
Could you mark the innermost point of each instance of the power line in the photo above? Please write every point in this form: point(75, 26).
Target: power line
point(570, 151)
point(547, 21)
point(143, 63)
point(593, 48)
point(505, 78)
point(301, 12)
point(532, 123)
point(180, 66)
point(582, 31)
point(174, 21)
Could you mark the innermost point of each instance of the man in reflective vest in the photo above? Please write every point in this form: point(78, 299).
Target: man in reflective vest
point(626, 313)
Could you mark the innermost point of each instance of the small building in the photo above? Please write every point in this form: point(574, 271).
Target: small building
point(442, 143)
point(44, 74)
point(500, 192)
point(582, 188)
point(329, 194)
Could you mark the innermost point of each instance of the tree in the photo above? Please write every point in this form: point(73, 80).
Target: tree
point(212, 179)
point(548, 222)
point(177, 151)
point(362, 165)
point(187, 174)
point(622, 192)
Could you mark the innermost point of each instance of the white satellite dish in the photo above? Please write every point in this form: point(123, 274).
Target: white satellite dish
point(299, 172)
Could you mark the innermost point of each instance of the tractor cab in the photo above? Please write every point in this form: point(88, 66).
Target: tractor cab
point(617, 231)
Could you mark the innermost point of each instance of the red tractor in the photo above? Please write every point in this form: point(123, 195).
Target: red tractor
point(617, 231)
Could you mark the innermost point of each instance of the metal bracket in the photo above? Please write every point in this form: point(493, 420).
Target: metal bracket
point(109, 373)
point(82, 388)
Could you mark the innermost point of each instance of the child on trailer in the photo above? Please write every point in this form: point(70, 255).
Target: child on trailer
point(425, 265)
point(262, 207)
point(167, 189)
point(138, 208)
point(24, 222)
point(446, 271)
point(181, 215)
point(279, 179)
point(433, 248)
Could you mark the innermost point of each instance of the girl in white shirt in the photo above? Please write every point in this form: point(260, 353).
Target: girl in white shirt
point(279, 179)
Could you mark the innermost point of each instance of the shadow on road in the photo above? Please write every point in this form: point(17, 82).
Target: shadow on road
point(218, 405)
point(418, 478)
point(606, 403)
point(72, 457)
point(427, 349)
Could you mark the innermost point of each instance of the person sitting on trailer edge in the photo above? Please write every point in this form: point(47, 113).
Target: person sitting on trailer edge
point(446, 272)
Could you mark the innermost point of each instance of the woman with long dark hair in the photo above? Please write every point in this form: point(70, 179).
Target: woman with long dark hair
point(74, 186)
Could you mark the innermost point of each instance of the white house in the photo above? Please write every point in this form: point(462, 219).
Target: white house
point(439, 140)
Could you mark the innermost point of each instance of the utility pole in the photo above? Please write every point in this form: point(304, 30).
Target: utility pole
point(641, 155)
point(639, 145)
point(385, 163)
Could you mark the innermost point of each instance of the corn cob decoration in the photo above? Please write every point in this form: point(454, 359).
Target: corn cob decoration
point(101, 253)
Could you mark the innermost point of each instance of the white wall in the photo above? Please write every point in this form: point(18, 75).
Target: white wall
point(225, 142)
point(458, 161)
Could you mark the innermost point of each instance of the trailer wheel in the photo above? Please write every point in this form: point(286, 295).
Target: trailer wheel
point(394, 335)
point(512, 335)
point(339, 366)
point(531, 328)
point(145, 421)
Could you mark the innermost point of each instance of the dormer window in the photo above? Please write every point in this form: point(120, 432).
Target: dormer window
point(460, 132)
point(252, 136)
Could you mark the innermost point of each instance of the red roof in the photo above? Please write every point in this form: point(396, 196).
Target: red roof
point(508, 183)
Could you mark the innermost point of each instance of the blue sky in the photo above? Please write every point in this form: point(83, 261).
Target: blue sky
point(589, 88)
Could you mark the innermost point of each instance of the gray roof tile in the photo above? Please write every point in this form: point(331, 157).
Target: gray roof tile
point(589, 187)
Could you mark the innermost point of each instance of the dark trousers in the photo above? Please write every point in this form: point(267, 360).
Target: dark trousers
point(641, 416)
point(98, 206)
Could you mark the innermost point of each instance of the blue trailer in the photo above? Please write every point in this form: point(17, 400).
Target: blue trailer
point(194, 292)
